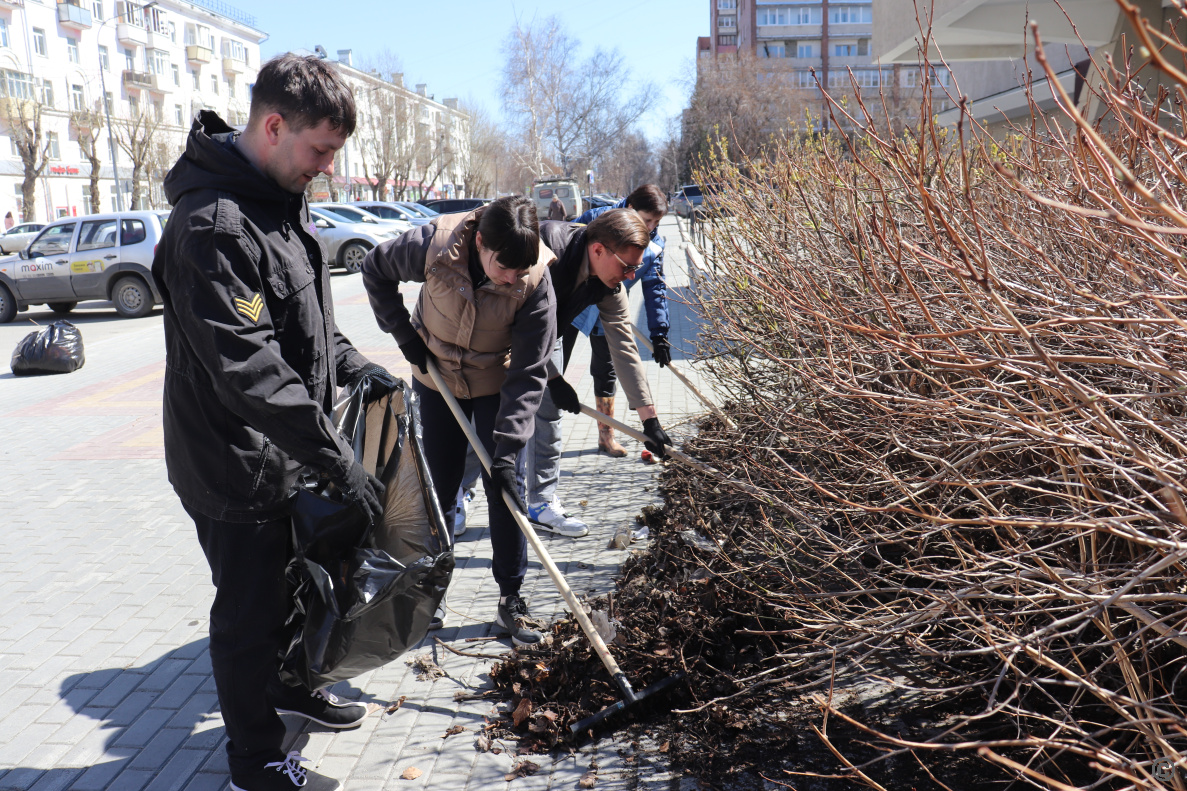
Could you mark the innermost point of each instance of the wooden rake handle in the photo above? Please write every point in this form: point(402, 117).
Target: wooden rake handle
point(687, 383)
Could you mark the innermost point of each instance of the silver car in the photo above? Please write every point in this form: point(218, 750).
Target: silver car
point(17, 237)
point(393, 211)
point(354, 213)
point(99, 256)
point(349, 242)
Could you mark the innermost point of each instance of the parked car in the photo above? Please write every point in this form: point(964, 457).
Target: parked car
point(454, 205)
point(17, 237)
point(393, 211)
point(565, 189)
point(418, 208)
point(347, 243)
point(99, 256)
point(686, 200)
point(597, 202)
point(356, 213)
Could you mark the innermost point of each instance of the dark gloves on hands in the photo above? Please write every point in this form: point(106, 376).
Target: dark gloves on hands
point(657, 438)
point(416, 353)
point(563, 395)
point(502, 472)
point(360, 486)
point(377, 379)
point(661, 350)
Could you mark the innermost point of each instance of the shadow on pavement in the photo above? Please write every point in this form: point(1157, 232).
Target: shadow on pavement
point(148, 716)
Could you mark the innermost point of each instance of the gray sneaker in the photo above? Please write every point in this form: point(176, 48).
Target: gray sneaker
point(513, 616)
point(285, 775)
point(550, 517)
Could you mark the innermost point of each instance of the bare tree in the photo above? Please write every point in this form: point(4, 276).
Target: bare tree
point(88, 124)
point(385, 134)
point(137, 135)
point(628, 164)
point(434, 151)
point(22, 116)
point(487, 146)
point(569, 113)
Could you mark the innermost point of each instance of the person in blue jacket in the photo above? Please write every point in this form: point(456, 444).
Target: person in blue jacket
point(651, 204)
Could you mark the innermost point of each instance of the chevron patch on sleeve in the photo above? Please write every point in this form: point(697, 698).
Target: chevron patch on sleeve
point(251, 308)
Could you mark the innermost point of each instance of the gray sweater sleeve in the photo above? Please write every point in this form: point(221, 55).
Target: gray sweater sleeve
point(400, 260)
point(533, 336)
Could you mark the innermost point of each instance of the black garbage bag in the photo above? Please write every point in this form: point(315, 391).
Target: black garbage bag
point(364, 594)
point(56, 349)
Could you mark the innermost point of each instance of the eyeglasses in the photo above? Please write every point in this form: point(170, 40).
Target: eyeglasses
point(627, 269)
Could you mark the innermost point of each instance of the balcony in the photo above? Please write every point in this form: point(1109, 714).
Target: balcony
point(140, 79)
point(132, 35)
point(159, 39)
point(73, 16)
point(197, 53)
point(234, 66)
point(13, 109)
point(11, 4)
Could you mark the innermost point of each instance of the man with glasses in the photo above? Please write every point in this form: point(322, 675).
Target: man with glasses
point(593, 261)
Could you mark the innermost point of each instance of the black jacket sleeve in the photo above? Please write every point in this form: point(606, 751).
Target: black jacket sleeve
point(347, 359)
point(533, 336)
point(241, 356)
point(400, 260)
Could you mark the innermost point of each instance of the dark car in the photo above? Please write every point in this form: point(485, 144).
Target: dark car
point(454, 205)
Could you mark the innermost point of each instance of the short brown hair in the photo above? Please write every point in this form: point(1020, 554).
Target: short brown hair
point(509, 228)
point(648, 198)
point(305, 90)
point(618, 227)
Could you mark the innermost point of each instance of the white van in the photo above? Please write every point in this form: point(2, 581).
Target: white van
point(565, 189)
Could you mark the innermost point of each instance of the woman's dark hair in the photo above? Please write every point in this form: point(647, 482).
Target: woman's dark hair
point(509, 227)
point(305, 90)
point(648, 198)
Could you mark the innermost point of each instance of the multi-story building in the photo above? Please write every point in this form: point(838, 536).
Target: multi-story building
point(406, 145)
point(149, 67)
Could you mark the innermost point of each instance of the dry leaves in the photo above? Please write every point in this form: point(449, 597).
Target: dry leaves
point(522, 769)
point(411, 773)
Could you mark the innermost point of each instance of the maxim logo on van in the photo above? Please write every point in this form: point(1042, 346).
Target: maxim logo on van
point(35, 268)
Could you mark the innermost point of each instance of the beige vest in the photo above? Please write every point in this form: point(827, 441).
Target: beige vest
point(468, 332)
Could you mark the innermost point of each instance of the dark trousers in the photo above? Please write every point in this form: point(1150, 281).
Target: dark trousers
point(445, 451)
point(601, 366)
point(251, 603)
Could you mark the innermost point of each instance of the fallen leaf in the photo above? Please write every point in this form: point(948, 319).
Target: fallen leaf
point(522, 712)
point(663, 748)
point(482, 743)
point(522, 769)
point(411, 773)
point(456, 729)
point(392, 709)
point(588, 780)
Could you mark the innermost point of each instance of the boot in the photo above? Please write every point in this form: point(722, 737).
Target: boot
point(606, 442)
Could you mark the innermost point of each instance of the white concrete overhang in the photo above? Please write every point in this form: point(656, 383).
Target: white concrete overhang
point(997, 29)
point(1012, 104)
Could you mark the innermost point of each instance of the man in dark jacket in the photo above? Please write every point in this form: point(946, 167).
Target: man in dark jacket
point(253, 360)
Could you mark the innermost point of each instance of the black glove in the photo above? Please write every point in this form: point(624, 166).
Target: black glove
point(416, 353)
point(360, 486)
point(563, 395)
point(502, 472)
point(377, 380)
point(657, 438)
point(661, 350)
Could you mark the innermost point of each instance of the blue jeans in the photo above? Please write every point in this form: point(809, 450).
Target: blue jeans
point(544, 456)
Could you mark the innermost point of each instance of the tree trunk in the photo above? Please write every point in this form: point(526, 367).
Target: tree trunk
point(29, 197)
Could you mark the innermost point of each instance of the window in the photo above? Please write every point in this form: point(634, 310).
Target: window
point(234, 49)
point(807, 49)
point(850, 15)
point(134, 106)
point(45, 92)
point(231, 87)
point(173, 32)
point(844, 50)
point(3, 32)
point(158, 61)
point(39, 45)
point(77, 101)
point(773, 49)
point(97, 234)
point(72, 50)
point(176, 74)
point(807, 79)
point(214, 84)
point(727, 41)
point(727, 3)
point(806, 15)
point(198, 35)
point(939, 76)
point(97, 10)
point(53, 151)
point(133, 232)
point(55, 240)
point(773, 15)
point(103, 61)
point(158, 109)
point(197, 87)
point(108, 101)
point(129, 60)
point(727, 21)
point(178, 116)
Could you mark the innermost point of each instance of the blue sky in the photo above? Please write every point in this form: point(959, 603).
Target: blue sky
point(455, 45)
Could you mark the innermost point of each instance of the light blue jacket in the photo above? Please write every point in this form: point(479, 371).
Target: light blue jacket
point(650, 274)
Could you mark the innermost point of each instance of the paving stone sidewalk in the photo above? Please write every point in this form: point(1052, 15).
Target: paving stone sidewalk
point(104, 593)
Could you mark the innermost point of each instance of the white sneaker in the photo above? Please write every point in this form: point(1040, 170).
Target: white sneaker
point(550, 517)
point(461, 510)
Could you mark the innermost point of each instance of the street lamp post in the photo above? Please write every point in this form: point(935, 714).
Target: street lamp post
point(115, 173)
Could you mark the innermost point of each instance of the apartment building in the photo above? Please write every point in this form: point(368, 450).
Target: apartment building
point(407, 144)
point(149, 66)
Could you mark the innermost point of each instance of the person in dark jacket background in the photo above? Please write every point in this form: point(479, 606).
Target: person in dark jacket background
point(253, 360)
point(486, 316)
point(556, 208)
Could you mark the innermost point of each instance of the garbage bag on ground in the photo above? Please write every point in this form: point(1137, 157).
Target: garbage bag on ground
point(363, 594)
point(56, 349)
